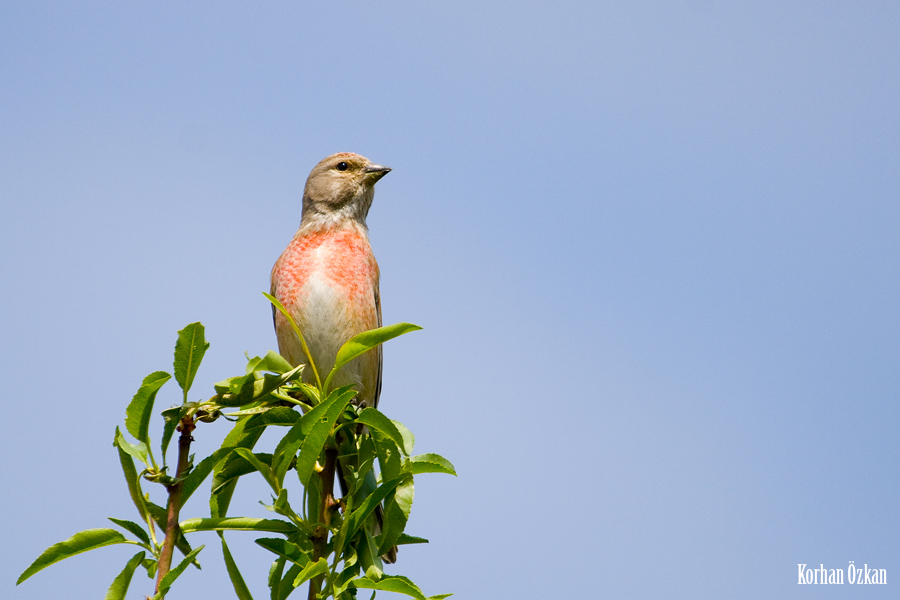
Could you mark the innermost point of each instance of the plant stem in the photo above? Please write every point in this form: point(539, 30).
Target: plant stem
point(326, 505)
point(173, 531)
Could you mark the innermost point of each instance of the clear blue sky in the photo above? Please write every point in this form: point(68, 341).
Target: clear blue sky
point(655, 247)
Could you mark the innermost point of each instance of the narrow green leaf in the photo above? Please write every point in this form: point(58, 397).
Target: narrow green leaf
point(391, 583)
point(237, 581)
point(287, 582)
point(171, 417)
point(120, 584)
point(132, 527)
point(369, 557)
point(236, 466)
point(278, 415)
point(357, 517)
point(438, 597)
point(275, 573)
point(298, 333)
point(430, 463)
point(131, 478)
point(410, 539)
point(189, 351)
point(201, 471)
point(375, 419)
point(351, 571)
point(137, 415)
point(285, 549)
point(271, 382)
point(260, 466)
point(138, 451)
point(170, 577)
point(364, 342)
point(238, 524)
point(223, 487)
point(309, 435)
point(320, 567)
point(396, 513)
point(82, 541)
point(321, 427)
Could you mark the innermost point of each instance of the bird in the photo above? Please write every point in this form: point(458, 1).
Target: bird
point(327, 279)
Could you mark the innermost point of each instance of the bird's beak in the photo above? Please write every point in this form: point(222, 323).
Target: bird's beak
point(376, 172)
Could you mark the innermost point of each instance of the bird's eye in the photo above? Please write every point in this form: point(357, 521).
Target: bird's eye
point(342, 166)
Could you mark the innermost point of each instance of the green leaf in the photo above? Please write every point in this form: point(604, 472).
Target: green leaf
point(358, 517)
point(236, 466)
point(391, 583)
point(271, 382)
point(287, 582)
point(223, 487)
point(285, 549)
point(189, 351)
point(264, 469)
point(132, 479)
point(272, 361)
point(410, 539)
point(161, 516)
point(364, 342)
point(298, 333)
point(275, 573)
point(369, 558)
point(396, 513)
point(238, 524)
point(377, 420)
point(239, 391)
point(201, 471)
point(137, 415)
point(309, 435)
point(237, 581)
point(120, 584)
point(321, 427)
point(278, 415)
point(409, 440)
point(170, 577)
point(351, 571)
point(138, 451)
point(132, 527)
point(320, 567)
point(430, 463)
point(388, 455)
point(233, 385)
point(171, 417)
point(82, 541)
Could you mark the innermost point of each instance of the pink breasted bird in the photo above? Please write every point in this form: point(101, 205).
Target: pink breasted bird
point(327, 277)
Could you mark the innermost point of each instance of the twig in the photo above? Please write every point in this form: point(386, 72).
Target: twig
point(173, 531)
point(326, 505)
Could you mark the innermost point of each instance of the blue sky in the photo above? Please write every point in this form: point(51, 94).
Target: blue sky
point(653, 246)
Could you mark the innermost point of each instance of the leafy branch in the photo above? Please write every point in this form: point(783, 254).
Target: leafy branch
point(334, 542)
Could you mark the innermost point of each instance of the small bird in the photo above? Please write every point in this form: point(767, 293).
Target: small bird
point(327, 278)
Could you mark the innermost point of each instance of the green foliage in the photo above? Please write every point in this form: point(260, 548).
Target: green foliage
point(120, 584)
point(331, 541)
point(189, 351)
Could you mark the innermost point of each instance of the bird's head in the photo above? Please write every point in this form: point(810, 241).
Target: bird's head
point(341, 186)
